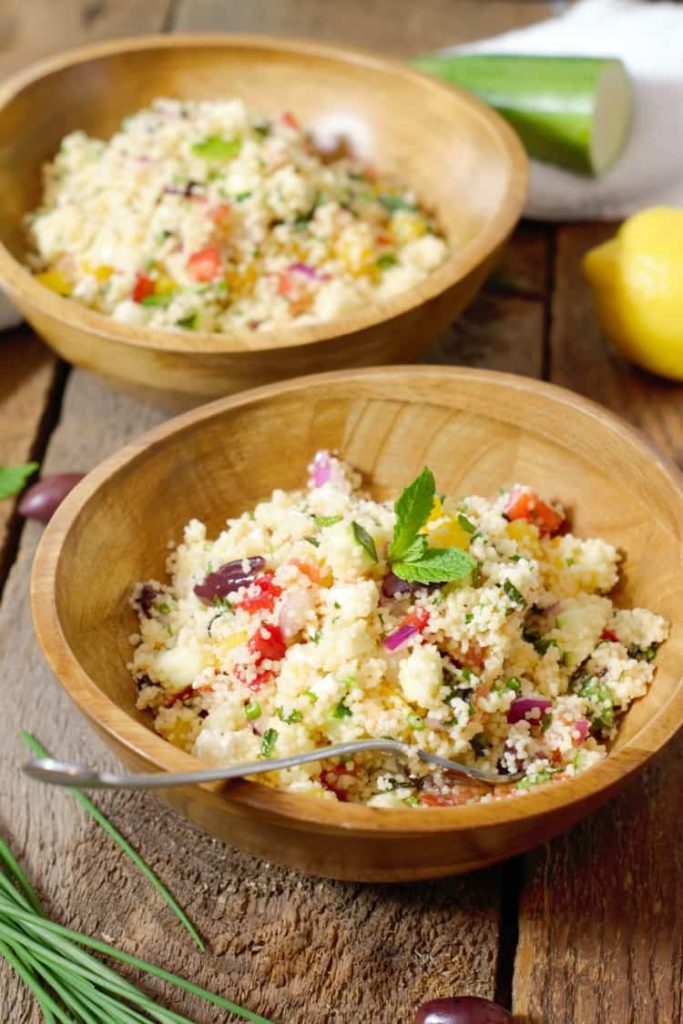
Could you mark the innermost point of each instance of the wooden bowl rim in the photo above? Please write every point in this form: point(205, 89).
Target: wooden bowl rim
point(499, 224)
point(302, 811)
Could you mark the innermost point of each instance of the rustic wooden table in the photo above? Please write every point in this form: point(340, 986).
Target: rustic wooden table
point(587, 930)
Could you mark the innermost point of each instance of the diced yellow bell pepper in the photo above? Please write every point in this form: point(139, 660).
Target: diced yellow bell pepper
point(55, 281)
point(527, 537)
point(407, 226)
point(448, 534)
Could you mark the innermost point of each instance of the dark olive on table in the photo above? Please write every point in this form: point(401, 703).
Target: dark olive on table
point(462, 1010)
point(42, 499)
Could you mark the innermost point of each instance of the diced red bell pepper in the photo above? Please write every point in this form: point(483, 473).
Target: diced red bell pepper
point(260, 680)
point(530, 507)
point(205, 265)
point(177, 698)
point(452, 798)
point(609, 634)
point(289, 119)
point(267, 644)
point(143, 287)
point(220, 214)
point(265, 599)
point(329, 779)
point(285, 283)
point(419, 618)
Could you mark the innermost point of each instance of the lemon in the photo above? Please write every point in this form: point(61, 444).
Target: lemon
point(637, 283)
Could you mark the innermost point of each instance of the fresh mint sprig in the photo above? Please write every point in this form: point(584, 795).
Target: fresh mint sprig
point(410, 556)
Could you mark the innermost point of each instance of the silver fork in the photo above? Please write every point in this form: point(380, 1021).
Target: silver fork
point(79, 776)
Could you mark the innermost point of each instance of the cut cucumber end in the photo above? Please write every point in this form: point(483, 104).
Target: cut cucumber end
point(612, 116)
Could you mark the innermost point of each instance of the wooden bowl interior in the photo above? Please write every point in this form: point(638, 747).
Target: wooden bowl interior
point(478, 432)
point(439, 142)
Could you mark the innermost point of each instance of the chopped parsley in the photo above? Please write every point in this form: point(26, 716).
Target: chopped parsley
point(268, 742)
point(386, 260)
point(536, 779)
point(323, 521)
point(289, 717)
point(362, 537)
point(393, 203)
point(513, 594)
point(341, 710)
point(466, 524)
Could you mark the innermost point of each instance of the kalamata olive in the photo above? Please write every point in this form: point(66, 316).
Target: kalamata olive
point(462, 1010)
point(43, 498)
point(228, 578)
point(394, 586)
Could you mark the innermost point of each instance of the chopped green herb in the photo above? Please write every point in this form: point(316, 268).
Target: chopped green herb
point(164, 608)
point(13, 478)
point(268, 742)
point(313, 540)
point(241, 196)
point(313, 697)
point(546, 721)
point(315, 636)
point(253, 710)
point(515, 558)
point(466, 673)
point(188, 322)
point(416, 721)
point(513, 594)
point(569, 561)
point(467, 526)
point(327, 520)
point(513, 683)
point(413, 508)
point(411, 801)
point(214, 147)
point(396, 203)
point(340, 710)
point(469, 617)
point(262, 129)
point(162, 300)
point(289, 716)
point(349, 683)
point(363, 538)
point(386, 260)
point(480, 744)
point(536, 780)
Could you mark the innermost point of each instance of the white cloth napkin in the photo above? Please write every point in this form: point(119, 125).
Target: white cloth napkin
point(648, 37)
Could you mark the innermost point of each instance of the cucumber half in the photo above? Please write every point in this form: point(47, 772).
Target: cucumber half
point(572, 111)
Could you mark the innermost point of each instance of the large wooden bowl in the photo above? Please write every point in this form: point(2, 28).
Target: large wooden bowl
point(477, 430)
point(463, 160)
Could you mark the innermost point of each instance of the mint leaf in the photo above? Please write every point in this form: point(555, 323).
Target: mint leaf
point(417, 550)
point(365, 540)
point(412, 509)
point(437, 565)
point(327, 520)
point(216, 148)
point(396, 203)
point(13, 478)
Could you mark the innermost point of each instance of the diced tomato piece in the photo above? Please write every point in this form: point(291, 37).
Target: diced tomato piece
point(260, 680)
point(220, 214)
point(205, 265)
point(530, 507)
point(289, 119)
point(419, 618)
point(264, 600)
point(267, 644)
point(285, 283)
point(312, 571)
point(609, 634)
point(454, 797)
point(143, 287)
point(329, 779)
point(182, 695)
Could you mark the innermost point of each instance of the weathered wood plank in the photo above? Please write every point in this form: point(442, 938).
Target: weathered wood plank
point(29, 31)
point(27, 372)
point(297, 949)
point(398, 27)
point(601, 911)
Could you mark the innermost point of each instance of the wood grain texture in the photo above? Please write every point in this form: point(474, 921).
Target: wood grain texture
point(27, 372)
point(461, 157)
point(600, 936)
point(29, 31)
point(303, 951)
point(399, 27)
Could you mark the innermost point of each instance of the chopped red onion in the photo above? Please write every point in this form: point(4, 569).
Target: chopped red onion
point(304, 268)
point(399, 637)
point(320, 469)
point(230, 577)
point(583, 727)
point(520, 708)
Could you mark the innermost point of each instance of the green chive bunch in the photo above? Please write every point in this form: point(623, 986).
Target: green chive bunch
point(69, 984)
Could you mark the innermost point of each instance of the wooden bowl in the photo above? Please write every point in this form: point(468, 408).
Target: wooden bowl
point(478, 431)
point(464, 161)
